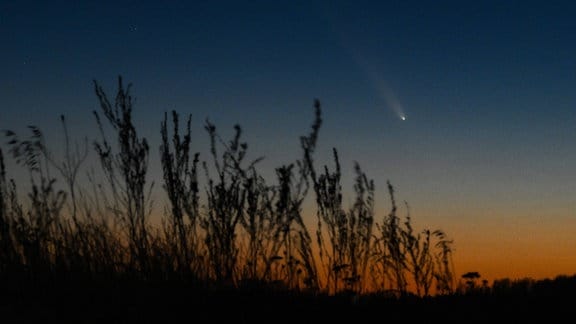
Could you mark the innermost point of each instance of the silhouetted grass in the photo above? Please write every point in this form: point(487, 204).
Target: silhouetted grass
point(237, 241)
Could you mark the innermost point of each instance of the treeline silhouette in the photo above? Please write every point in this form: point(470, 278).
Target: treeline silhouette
point(233, 235)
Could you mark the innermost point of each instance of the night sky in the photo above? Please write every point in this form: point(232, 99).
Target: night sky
point(486, 151)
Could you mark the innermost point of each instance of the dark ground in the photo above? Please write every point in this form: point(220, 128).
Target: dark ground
point(100, 302)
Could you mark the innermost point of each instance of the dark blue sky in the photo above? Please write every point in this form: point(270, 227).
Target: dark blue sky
point(488, 89)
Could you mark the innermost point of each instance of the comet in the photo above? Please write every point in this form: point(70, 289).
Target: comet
point(381, 86)
point(389, 97)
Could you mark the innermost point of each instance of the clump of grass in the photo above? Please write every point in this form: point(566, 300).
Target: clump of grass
point(180, 171)
point(403, 257)
point(236, 229)
point(125, 167)
point(346, 253)
point(225, 204)
point(37, 231)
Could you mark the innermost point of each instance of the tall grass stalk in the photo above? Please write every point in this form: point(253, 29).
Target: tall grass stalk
point(125, 167)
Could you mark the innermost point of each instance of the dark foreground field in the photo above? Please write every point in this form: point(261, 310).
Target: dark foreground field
point(170, 302)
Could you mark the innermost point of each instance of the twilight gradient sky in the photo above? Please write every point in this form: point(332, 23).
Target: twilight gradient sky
point(486, 153)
